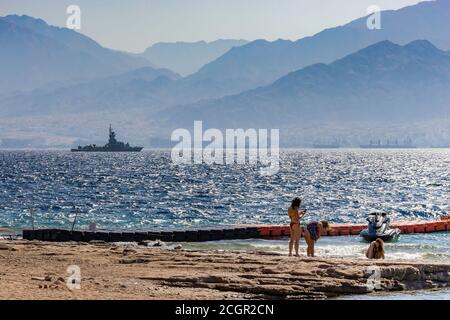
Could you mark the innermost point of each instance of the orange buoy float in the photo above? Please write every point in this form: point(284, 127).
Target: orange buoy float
point(406, 227)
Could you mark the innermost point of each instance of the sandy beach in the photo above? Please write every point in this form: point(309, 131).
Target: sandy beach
point(38, 270)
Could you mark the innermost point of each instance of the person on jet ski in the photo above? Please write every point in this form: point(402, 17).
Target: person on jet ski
point(382, 217)
point(379, 228)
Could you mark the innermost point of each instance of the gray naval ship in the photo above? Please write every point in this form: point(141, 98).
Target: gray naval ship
point(112, 146)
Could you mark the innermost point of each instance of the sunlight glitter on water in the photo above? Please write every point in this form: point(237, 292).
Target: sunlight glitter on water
point(146, 191)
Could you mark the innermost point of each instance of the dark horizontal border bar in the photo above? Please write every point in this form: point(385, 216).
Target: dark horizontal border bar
point(246, 309)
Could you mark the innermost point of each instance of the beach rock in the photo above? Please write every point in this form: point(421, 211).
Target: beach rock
point(209, 274)
point(158, 244)
point(269, 271)
point(6, 247)
point(150, 243)
point(133, 261)
point(128, 251)
point(97, 242)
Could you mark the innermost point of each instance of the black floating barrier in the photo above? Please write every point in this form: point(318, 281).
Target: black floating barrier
point(217, 235)
point(76, 236)
point(28, 234)
point(166, 236)
point(179, 236)
point(128, 236)
point(229, 234)
point(252, 233)
point(204, 235)
point(115, 237)
point(55, 235)
point(102, 236)
point(140, 236)
point(89, 236)
point(47, 234)
point(61, 235)
point(153, 236)
point(240, 233)
point(191, 236)
point(38, 235)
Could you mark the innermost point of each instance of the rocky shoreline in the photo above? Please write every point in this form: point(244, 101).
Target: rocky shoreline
point(38, 270)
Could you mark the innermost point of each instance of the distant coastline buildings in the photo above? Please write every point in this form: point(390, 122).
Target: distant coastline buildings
point(390, 144)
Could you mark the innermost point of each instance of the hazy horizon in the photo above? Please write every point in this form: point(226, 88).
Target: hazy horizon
point(136, 25)
point(350, 84)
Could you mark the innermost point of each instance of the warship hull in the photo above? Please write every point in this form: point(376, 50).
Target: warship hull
point(112, 146)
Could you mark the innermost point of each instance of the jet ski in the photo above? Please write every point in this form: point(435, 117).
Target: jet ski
point(379, 228)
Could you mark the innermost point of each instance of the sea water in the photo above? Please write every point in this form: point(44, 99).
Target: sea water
point(440, 294)
point(426, 247)
point(131, 191)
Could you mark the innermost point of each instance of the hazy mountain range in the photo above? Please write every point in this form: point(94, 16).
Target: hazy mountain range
point(34, 54)
point(262, 62)
point(186, 58)
point(382, 81)
point(113, 93)
point(346, 82)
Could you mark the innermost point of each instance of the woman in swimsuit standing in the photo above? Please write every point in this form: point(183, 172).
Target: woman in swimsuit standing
point(296, 232)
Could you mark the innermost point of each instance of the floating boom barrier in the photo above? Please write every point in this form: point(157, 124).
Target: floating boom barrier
point(236, 233)
point(406, 227)
point(59, 235)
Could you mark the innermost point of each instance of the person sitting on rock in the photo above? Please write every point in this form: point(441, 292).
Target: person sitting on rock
point(312, 233)
point(376, 250)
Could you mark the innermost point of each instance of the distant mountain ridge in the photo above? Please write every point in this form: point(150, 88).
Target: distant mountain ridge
point(34, 54)
point(261, 62)
point(114, 93)
point(79, 42)
point(383, 82)
point(186, 58)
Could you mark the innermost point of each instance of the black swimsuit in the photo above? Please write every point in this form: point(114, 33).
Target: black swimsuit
point(313, 230)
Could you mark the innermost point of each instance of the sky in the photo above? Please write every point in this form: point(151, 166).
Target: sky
point(134, 25)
